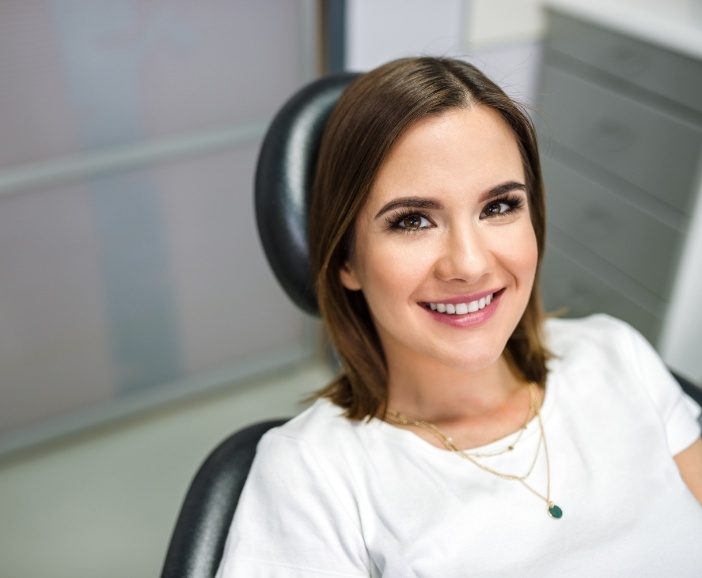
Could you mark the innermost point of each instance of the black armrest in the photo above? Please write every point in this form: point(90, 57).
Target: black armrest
point(198, 539)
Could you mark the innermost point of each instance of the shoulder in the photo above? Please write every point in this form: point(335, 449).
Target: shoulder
point(323, 420)
point(317, 435)
point(595, 339)
point(599, 340)
point(310, 453)
point(600, 353)
point(606, 357)
point(600, 330)
point(298, 512)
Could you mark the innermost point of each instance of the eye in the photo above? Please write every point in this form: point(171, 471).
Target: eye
point(409, 222)
point(495, 208)
point(414, 222)
point(501, 207)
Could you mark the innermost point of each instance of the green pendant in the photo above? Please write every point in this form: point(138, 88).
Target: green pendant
point(555, 512)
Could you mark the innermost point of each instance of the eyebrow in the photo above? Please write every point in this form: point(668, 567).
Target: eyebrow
point(502, 189)
point(409, 202)
point(427, 203)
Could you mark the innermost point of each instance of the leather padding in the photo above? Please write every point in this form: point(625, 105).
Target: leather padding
point(284, 175)
point(198, 539)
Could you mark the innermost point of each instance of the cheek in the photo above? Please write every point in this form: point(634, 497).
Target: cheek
point(526, 259)
point(390, 273)
point(519, 252)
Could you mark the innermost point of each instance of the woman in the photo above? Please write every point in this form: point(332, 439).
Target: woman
point(465, 436)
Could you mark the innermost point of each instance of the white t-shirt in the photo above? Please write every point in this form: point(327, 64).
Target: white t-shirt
point(329, 497)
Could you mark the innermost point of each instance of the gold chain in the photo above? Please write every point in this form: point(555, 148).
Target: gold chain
point(530, 410)
point(553, 510)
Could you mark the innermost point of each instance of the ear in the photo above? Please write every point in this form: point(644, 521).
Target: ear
point(349, 278)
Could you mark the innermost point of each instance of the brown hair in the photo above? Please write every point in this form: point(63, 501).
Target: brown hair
point(365, 124)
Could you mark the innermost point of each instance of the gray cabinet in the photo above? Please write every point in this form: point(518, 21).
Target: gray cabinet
point(620, 128)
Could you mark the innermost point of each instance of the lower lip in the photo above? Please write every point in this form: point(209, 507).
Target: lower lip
point(468, 319)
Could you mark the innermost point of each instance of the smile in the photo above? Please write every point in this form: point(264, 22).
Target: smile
point(462, 308)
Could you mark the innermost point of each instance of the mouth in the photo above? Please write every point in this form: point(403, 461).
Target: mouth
point(462, 308)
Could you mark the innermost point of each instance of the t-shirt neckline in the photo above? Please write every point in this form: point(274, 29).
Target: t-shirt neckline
point(403, 436)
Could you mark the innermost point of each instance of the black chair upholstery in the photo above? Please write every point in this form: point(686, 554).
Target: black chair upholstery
point(284, 176)
point(197, 543)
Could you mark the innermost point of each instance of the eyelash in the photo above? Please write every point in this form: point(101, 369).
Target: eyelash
point(397, 217)
point(513, 202)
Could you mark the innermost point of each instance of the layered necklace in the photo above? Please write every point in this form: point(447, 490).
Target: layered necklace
point(473, 457)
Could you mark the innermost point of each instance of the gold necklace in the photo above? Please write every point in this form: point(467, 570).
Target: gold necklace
point(511, 446)
point(553, 510)
point(447, 441)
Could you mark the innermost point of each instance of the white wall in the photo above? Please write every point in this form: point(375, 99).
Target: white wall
point(502, 37)
point(380, 31)
point(681, 342)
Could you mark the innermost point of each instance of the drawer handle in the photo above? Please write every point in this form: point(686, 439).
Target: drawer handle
point(611, 136)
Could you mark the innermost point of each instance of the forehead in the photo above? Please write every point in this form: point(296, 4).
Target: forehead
point(465, 150)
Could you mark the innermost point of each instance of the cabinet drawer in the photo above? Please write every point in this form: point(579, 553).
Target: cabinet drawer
point(632, 240)
point(569, 285)
point(657, 152)
point(674, 76)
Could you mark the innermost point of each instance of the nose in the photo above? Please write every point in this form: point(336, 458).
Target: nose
point(465, 254)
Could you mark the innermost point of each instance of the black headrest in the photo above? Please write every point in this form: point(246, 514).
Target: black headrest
point(284, 174)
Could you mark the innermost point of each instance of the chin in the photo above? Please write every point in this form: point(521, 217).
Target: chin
point(473, 359)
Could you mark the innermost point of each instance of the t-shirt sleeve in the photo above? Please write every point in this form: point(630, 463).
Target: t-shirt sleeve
point(291, 521)
point(678, 411)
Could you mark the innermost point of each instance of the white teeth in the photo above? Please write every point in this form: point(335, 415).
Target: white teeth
point(462, 308)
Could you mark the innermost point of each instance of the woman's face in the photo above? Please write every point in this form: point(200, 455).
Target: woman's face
point(445, 252)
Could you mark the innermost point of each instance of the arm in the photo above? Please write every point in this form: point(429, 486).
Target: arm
point(690, 465)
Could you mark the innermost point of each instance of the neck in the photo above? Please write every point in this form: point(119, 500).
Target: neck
point(473, 407)
point(439, 392)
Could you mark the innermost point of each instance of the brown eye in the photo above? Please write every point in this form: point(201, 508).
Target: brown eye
point(409, 222)
point(412, 222)
point(495, 209)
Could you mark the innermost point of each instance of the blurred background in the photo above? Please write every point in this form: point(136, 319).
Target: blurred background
point(139, 321)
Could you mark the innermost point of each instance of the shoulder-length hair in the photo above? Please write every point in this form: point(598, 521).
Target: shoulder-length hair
point(372, 113)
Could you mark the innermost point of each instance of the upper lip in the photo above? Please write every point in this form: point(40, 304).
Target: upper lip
point(465, 298)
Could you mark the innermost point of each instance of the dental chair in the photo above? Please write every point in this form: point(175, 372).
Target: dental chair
point(283, 179)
